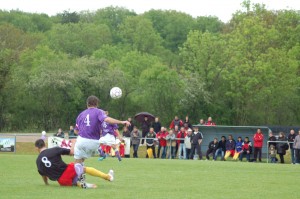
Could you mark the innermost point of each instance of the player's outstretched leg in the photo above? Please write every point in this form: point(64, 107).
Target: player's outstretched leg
point(94, 172)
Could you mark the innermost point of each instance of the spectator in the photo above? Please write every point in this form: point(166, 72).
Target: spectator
point(221, 148)
point(272, 153)
point(150, 143)
point(162, 142)
point(212, 148)
point(196, 141)
point(210, 122)
point(156, 125)
point(176, 131)
point(246, 149)
point(181, 146)
point(71, 132)
point(272, 138)
point(187, 121)
point(186, 126)
point(59, 133)
point(202, 122)
point(238, 148)
point(145, 128)
point(187, 142)
point(171, 144)
point(297, 148)
point(258, 139)
point(131, 126)
point(291, 139)
point(176, 122)
point(135, 139)
point(282, 147)
point(230, 147)
point(127, 140)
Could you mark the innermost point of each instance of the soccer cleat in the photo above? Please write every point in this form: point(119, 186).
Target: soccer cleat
point(101, 158)
point(90, 186)
point(82, 182)
point(112, 175)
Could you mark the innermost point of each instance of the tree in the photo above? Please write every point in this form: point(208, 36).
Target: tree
point(138, 33)
point(172, 26)
point(210, 24)
point(78, 39)
point(68, 17)
point(113, 17)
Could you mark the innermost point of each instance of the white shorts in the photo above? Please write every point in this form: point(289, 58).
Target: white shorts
point(85, 148)
point(109, 140)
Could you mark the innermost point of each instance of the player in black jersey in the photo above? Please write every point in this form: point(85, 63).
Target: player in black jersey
point(50, 165)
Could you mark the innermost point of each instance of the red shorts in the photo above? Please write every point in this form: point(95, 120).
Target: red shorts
point(66, 179)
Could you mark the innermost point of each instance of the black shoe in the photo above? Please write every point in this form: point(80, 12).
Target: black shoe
point(82, 182)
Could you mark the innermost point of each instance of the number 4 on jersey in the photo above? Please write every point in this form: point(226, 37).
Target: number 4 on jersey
point(87, 120)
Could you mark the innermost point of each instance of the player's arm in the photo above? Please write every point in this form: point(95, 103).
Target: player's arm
point(45, 179)
point(115, 121)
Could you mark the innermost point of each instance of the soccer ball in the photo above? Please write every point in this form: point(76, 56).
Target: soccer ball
point(115, 92)
point(43, 132)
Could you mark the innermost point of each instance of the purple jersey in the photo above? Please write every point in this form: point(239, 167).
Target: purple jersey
point(89, 122)
point(108, 128)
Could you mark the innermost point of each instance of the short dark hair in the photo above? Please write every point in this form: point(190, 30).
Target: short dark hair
point(92, 101)
point(39, 143)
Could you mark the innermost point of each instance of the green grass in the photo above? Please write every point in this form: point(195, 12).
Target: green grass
point(155, 178)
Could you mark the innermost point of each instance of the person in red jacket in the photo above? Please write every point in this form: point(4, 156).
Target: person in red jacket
point(210, 122)
point(162, 142)
point(258, 139)
point(176, 122)
point(181, 146)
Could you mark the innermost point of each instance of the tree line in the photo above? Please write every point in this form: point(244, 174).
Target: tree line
point(244, 72)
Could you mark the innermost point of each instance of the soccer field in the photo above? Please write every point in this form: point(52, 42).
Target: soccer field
point(156, 178)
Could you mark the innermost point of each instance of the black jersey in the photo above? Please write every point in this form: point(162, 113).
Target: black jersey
point(50, 163)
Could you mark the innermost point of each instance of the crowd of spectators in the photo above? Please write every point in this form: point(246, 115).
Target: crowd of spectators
point(183, 141)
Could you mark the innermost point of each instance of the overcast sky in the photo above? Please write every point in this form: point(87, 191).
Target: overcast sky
point(223, 9)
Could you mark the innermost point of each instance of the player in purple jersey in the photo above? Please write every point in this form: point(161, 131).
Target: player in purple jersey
point(111, 137)
point(88, 127)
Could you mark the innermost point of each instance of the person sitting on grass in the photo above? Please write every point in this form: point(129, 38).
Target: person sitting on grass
point(238, 148)
point(246, 149)
point(221, 148)
point(230, 147)
point(50, 165)
point(212, 147)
